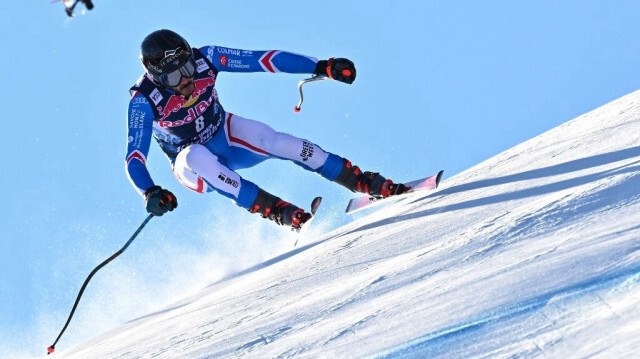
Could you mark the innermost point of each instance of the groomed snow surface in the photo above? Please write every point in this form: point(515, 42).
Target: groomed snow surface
point(533, 253)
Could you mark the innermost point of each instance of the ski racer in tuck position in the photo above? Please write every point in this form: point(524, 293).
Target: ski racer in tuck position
point(176, 102)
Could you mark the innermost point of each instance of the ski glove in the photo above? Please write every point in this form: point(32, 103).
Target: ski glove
point(159, 201)
point(338, 69)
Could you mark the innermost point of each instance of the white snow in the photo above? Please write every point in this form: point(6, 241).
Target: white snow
point(532, 253)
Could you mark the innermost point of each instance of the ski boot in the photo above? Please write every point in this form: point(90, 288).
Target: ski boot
point(279, 211)
point(371, 183)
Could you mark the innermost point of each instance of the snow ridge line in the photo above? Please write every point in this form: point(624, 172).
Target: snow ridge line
point(423, 343)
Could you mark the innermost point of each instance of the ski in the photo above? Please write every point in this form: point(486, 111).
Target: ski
point(423, 184)
point(315, 204)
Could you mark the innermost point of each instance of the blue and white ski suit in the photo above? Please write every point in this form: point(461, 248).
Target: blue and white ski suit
point(203, 142)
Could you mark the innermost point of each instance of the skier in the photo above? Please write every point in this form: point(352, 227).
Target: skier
point(176, 101)
point(69, 5)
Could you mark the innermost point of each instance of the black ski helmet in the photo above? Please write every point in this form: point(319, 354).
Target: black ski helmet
point(164, 51)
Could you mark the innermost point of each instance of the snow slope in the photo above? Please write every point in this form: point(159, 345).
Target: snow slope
point(532, 253)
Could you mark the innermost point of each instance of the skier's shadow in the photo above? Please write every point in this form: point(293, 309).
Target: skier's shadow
point(563, 168)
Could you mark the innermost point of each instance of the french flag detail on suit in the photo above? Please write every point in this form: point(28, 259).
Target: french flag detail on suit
point(266, 61)
point(200, 187)
point(138, 156)
point(239, 142)
point(189, 182)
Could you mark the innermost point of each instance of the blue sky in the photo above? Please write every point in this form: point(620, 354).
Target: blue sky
point(441, 85)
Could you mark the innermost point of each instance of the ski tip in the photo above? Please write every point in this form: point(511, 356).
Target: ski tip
point(315, 204)
point(439, 177)
point(356, 204)
point(348, 209)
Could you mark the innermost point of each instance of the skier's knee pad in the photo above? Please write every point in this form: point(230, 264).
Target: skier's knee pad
point(194, 157)
point(196, 163)
point(183, 168)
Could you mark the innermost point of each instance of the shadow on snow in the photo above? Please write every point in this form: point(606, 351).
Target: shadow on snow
point(438, 342)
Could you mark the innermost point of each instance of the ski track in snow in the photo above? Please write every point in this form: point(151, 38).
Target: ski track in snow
point(532, 253)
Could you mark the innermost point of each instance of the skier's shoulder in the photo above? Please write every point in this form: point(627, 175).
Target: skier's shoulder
point(143, 93)
point(210, 51)
point(139, 99)
point(217, 49)
point(137, 95)
point(141, 86)
point(139, 105)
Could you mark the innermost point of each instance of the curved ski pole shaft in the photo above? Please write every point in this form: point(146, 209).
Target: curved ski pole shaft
point(51, 349)
point(301, 83)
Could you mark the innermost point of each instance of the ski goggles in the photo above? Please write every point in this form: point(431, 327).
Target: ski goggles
point(172, 79)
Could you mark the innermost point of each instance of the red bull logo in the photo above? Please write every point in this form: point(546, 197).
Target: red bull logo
point(174, 104)
point(201, 85)
point(192, 113)
point(177, 102)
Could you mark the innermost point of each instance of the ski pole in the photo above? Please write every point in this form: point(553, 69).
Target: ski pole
point(301, 83)
point(51, 349)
